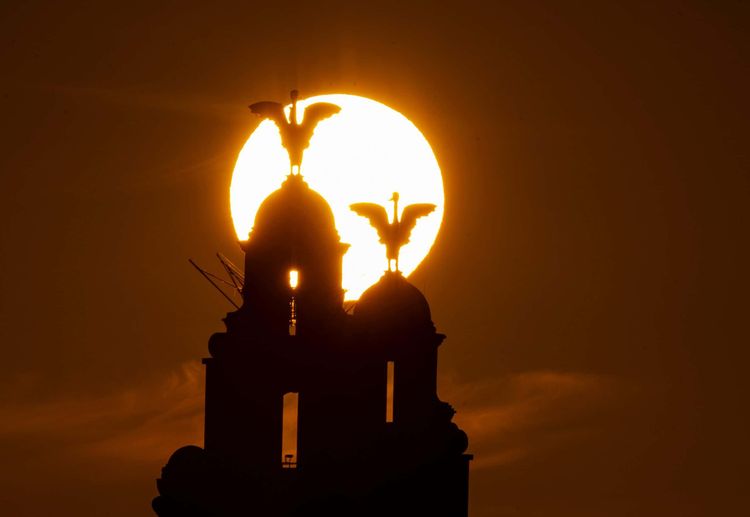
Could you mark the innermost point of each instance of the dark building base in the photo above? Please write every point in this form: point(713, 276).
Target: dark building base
point(195, 484)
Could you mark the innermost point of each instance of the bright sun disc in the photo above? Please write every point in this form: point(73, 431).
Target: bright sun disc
point(365, 153)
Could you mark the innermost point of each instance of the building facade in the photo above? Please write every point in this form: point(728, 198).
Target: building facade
point(357, 389)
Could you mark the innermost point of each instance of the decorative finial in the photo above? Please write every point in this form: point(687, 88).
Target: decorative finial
point(295, 137)
point(393, 234)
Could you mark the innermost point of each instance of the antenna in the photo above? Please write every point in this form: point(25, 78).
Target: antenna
point(235, 275)
point(213, 279)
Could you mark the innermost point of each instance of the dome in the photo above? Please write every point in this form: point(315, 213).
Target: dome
point(295, 211)
point(393, 304)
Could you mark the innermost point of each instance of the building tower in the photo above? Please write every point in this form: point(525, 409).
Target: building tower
point(373, 438)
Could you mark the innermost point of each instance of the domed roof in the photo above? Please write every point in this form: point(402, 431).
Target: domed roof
point(189, 458)
point(295, 210)
point(393, 303)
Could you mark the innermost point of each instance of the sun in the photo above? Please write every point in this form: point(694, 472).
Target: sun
point(365, 153)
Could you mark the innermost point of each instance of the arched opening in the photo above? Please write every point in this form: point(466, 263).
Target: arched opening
point(293, 282)
point(390, 372)
point(289, 431)
point(293, 278)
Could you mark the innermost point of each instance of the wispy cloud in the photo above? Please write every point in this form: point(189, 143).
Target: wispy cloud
point(507, 419)
point(519, 415)
point(143, 423)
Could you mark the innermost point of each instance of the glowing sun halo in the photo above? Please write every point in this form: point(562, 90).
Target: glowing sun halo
point(363, 154)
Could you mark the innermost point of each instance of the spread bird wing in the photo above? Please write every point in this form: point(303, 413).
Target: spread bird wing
point(410, 216)
point(375, 214)
point(314, 113)
point(272, 110)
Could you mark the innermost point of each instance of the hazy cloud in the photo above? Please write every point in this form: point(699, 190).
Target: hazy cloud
point(506, 419)
point(522, 414)
point(144, 422)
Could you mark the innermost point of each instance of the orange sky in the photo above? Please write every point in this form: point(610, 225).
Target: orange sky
point(590, 273)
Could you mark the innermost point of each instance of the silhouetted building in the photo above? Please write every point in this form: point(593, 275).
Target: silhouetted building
point(372, 437)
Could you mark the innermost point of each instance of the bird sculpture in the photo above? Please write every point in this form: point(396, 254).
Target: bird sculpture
point(295, 137)
point(393, 234)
